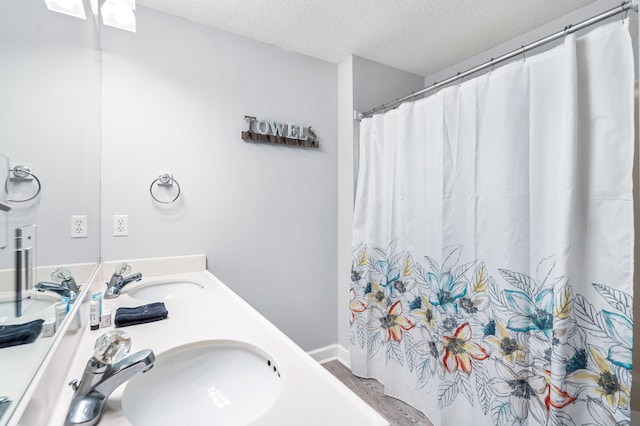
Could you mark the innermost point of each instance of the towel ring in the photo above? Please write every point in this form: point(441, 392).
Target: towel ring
point(165, 179)
point(23, 173)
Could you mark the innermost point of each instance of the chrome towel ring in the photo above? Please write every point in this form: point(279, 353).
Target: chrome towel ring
point(167, 180)
point(22, 173)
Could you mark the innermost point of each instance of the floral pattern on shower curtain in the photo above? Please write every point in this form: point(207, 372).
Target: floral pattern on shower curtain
point(493, 243)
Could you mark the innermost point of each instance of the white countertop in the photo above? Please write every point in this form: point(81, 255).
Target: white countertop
point(310, 394)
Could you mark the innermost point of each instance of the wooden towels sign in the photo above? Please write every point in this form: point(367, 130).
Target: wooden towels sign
point(279, 133)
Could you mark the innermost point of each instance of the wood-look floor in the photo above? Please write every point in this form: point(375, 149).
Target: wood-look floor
point(370, 390)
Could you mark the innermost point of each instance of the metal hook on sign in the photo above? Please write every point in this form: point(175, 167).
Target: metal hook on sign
point(23, 173)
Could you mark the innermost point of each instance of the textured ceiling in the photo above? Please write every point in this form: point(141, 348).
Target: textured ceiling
point(420, 36)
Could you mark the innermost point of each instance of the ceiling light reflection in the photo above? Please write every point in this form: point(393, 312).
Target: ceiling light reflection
point(219, 399)
point(119, 14)
point(68, 7)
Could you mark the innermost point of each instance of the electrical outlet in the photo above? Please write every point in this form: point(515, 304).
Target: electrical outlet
point(120, 225)
point(79, 226)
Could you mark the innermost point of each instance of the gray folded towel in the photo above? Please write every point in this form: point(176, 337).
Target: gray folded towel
point(19, 334)
point(140, 314)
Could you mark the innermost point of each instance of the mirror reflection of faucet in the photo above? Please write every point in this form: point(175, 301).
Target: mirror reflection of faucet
point(58, 288)
point(119, 279)
point(108, 368)
point(62, 284)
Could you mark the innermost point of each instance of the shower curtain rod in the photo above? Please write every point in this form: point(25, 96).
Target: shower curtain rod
point(624, 7)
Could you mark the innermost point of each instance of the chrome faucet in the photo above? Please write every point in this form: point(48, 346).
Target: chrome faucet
point(62, 284)
point(60, 288)
point(119, 280)
point(64, 277)
point(100, 378)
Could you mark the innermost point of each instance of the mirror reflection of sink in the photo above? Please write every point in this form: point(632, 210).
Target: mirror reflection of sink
point(165, 289)
point(221, 382)
point(30, 307)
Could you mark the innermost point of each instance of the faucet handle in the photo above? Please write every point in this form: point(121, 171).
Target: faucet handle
point(75, 384)
point(112, 346)
point(60, 275)
point(123, 269)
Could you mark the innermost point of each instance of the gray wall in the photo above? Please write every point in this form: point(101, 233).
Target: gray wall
point(174, 97)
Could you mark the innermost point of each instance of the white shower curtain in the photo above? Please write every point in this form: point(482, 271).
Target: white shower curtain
point(493, 242)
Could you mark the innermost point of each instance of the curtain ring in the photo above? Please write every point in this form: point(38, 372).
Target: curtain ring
point(23, 173)
point(167, 180)
point(493, 65)
point(524, 58)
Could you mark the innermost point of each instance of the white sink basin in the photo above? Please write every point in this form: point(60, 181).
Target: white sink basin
point(217, 382)
point(166, 289)
point(30, 307)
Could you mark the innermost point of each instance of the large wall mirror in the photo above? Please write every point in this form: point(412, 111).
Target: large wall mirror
point(50, 97)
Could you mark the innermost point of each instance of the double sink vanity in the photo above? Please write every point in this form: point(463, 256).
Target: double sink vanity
point(214, 360)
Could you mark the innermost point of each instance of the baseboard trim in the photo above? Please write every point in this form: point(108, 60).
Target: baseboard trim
point(344, 356)
point(331, 353)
